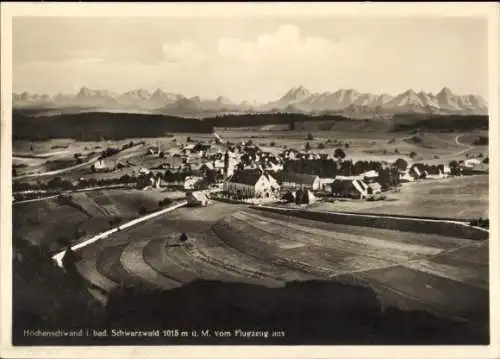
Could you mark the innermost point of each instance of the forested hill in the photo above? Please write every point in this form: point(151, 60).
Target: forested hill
point(116, 126)
point(94, 126)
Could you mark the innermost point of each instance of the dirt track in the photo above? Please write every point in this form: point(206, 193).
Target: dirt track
point(234, 244)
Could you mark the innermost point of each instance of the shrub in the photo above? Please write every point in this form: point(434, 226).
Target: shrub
point(481, 141)
point(401, 164)
point(165, 202)
point(310, 137)
point(142, 210)
point(339, 153)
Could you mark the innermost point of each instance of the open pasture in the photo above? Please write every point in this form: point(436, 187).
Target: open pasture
point(362, 145)
point(233, 244)
point(469, 138)
point(122, 202)
point(457, 197)
point(44, 222)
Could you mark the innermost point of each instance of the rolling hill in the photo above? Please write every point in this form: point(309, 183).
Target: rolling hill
point(96, 126)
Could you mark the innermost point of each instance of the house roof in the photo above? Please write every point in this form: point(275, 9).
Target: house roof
point(434, 171)
point(370, 174)
point(199, 196)
point(348, 184)
point(247, 177)
point(302, 178)
point(480, 167)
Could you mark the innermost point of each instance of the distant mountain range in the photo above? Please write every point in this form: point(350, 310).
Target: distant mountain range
point(296, 100)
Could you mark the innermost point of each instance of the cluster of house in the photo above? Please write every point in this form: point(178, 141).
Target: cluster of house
point(245, 171)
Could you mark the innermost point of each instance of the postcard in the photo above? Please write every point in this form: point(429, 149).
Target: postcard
point(250, 180)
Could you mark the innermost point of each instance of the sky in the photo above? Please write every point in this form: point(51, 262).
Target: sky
point(250, 58)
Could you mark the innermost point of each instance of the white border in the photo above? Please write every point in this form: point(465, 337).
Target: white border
point(8, 10)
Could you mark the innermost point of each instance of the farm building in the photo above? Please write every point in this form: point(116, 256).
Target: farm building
point(100, 165)
point(191, 182)
point(197, 198)
point(417, 171)
point(301, 180)
point(251, 184)
point(405, 176)
point(434, 173)
point(370, 176)
point(480, 168)
point(325, 182)
point(349, 188)
point(153, 150)
point(290, 154)
point(147, 180)
point(472, 162)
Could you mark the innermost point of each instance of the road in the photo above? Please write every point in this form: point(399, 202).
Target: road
point(59, 256)
point(467, 149)
point(57, 172)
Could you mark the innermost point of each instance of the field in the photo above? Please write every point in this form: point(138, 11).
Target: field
point(120, 202)
point(457, 197)
point(364, 145)
point(365, 140)
point(133, 158)
point(228, 243)
point(44, 222)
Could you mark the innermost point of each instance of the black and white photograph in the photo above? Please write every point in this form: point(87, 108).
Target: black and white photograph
point(257, 179)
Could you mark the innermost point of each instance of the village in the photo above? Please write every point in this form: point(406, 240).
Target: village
point(244, 173)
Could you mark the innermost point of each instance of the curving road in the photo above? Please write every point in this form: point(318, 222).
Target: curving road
point(457, 141)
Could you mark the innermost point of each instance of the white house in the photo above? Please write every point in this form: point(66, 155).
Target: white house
point(197, 198)
point(370, 175)
point(251, 184)
point(435, 174)
point(100, 165)
point(191, 181)
point(471, 162)
point(325, 182)
point(375, 187)
point(406, 177)
point(153, 150)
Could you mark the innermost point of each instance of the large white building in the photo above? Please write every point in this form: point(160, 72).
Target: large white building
point(251, 184)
